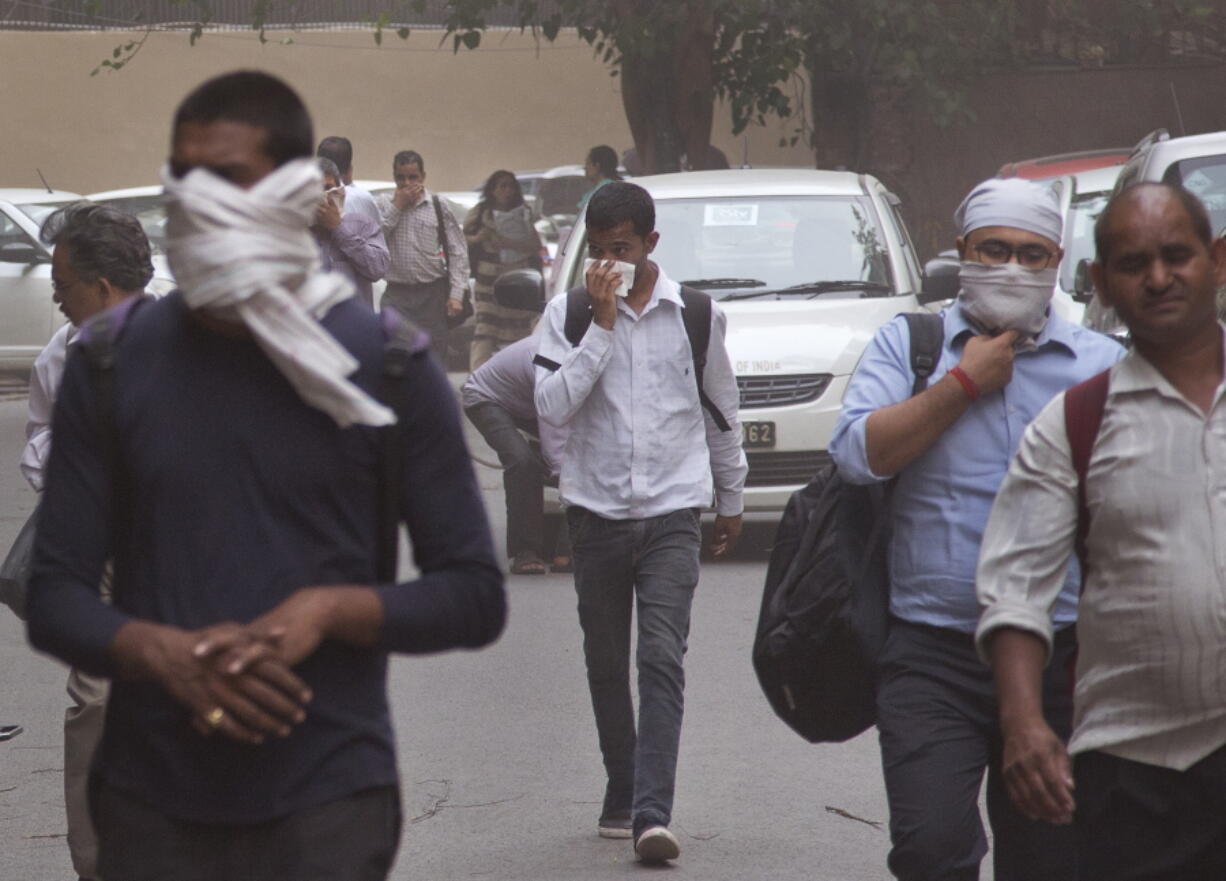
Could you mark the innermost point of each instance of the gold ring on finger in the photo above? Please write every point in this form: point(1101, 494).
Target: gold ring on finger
point(215, 717)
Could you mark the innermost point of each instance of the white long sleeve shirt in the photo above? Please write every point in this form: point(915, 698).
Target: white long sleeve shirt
point(640, 443)
point(1152, 617)
point(45, 379)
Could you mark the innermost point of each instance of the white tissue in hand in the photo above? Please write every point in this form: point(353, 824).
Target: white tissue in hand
point(626, 270)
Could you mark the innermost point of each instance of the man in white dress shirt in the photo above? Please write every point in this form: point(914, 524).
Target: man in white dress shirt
point(1149, 762)
point(101, 258)
point(642, 459)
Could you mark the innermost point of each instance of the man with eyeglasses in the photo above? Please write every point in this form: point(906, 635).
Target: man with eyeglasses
point(1004, 355)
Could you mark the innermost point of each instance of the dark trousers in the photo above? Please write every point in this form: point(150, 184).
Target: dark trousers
point(426, 306)
point(523, 476)
point(938, 721)
point(350, 839)
point(1138, 822)
point(649, 566)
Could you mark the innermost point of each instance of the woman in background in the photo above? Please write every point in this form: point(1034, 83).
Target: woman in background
point(500, 237)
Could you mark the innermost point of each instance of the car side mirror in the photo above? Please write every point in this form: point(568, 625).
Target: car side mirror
point(22, 252)
point(521, 289)
point(1083, 282)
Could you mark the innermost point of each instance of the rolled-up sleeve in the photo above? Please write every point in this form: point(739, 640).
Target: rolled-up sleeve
point(1030, 535)
point(566, 374)
point(883, 377)
point(728, 466)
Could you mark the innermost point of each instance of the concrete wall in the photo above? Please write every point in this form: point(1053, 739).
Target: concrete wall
point(510, 104)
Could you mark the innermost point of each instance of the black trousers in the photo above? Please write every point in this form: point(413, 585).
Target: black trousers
point(350, 839)
point(1138, 822)
point(938, 720)
point(523, 476)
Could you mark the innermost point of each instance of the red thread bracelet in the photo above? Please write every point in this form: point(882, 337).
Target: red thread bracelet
point(968, 384)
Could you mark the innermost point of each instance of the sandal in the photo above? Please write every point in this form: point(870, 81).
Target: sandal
point(527, 563)
point(562, 564)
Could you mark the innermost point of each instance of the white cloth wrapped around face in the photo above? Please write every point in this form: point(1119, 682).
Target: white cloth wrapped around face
point(248, 256)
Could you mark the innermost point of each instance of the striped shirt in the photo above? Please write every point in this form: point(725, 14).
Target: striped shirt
point(413, 240)
point(1152, 617)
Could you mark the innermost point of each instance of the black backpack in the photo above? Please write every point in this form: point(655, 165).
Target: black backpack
point(695, 314)
point(822, 623)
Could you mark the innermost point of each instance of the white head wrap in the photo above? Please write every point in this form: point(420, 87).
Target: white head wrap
point(1011, 201)
point(248, 256)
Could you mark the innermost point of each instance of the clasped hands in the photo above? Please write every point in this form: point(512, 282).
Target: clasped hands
point(236, 680)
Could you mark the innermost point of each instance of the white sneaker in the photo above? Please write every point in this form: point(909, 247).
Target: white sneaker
point(656, 844)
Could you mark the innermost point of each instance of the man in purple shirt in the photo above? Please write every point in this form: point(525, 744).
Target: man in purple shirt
point(349, 242)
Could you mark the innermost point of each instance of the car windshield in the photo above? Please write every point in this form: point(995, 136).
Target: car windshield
point(40, 211)
point(1079, 234)
point(772, 243)
point(150, 211)
point(1206, 177)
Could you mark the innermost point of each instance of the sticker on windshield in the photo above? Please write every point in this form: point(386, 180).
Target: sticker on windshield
point(730, 215)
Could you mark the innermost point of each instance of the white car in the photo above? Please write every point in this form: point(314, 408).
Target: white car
point(807, 265)
point(30, 316)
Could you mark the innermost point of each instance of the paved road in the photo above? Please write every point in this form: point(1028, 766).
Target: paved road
point(501, 771)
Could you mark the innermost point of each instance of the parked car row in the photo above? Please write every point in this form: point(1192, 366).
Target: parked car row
point(806, 264)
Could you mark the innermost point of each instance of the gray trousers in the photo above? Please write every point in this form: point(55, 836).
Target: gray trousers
point(650, 567)
point(82, 732)
point(426, 306)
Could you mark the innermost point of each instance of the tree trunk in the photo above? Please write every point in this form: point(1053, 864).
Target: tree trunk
point(668, 88)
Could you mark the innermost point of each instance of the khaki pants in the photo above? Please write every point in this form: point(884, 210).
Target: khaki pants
point(82, 732)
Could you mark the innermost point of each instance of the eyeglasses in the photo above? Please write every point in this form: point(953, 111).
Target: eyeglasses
point(995, 252)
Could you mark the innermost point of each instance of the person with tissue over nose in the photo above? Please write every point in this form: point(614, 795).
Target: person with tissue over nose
point(643, 457)
point(235, 480)
point(1004, 355)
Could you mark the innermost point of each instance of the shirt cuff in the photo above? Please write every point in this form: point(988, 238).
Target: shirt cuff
point(1015, 614)
point(730, 504)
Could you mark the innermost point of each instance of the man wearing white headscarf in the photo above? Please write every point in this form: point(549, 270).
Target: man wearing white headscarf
point(248, 733)
point(1004, 356)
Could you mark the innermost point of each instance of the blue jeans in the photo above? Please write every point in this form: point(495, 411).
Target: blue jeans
point(650, 564)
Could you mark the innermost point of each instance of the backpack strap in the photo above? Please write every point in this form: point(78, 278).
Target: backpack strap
point(442, 237)
point(1083, 416)
point(695, 315)
point(927, 332)
point(98, 338)
point(403, 342)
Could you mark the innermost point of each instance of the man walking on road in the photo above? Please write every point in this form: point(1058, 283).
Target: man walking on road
point(101, 258)
point(1147, 511)
point(428, 277)
point(1005, 354)
point(643, 457)
point(340, 151)
point(349, 242)
point(234, 478)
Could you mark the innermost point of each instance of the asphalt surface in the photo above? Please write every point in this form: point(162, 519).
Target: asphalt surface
point(500, 767)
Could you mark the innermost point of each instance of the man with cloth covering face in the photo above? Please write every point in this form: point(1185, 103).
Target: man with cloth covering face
point(1004, 355)
point(248, 733)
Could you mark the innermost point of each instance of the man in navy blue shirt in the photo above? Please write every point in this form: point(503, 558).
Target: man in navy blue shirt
point(1005, 355)
point(248, 734)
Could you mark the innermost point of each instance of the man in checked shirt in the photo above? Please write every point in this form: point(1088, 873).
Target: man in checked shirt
point(428, 276)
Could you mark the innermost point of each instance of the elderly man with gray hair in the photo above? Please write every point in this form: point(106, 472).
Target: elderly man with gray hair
point(1004, 355)
point(101, 258)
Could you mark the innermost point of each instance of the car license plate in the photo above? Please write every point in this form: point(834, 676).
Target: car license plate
point(759, 434)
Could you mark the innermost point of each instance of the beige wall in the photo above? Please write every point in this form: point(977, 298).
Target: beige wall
point(505, 105)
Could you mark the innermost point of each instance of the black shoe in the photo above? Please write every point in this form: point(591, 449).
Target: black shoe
point(8, 732)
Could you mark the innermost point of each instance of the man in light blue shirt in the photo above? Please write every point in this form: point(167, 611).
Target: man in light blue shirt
point(1005, 355)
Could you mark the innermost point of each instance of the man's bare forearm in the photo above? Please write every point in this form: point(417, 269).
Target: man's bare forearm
point(897, 435)
point(1018, 658)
